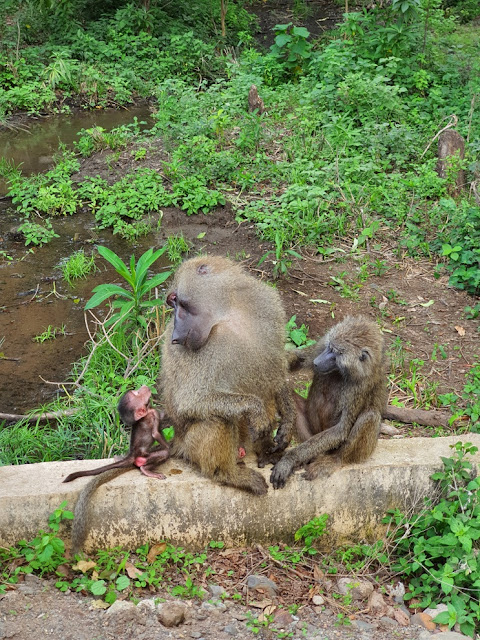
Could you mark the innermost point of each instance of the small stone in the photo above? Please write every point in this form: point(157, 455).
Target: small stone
point(282, 618)
point(31, 585)
point(425, 635)
point(362, 625)
point(262, 585)
point(423, 620)
point(432, 612)
point(147, 605)
point(231, 629)
point(396, 592)
point(120, 606)
point(377, 605)
point(217, 591)
point(195, 634)
point(402, 617)
point(318, 600)
point(171, 614)
point(387, 623)
point(359, 589)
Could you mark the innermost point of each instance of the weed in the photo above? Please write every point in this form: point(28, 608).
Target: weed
point(297, 335)
point(438, 556)
point(132, 305)
point(78, 265)
point(50, 333)
point(177, 247)
point(344, 285)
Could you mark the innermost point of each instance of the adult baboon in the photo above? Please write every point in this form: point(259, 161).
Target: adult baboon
point(224, 369)
point(341, 416)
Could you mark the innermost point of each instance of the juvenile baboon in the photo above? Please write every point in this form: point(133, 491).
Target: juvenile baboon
point(135, 411)
point(340, 420)
point(224, 368)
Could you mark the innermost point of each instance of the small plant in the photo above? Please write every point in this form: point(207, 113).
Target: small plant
point(37, 233)
point(312, 531)
point(297, 335)
point(345, 287)
point(177, 246)
point(78, 265)
point(283, 257)
point(132, 305)
point(41, 555)
point(291, 48)
point(50, 333)
point(436, 550)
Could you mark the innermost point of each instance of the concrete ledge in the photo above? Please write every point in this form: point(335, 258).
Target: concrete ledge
point(187, 509)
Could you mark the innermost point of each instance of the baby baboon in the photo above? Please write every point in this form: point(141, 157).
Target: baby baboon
point(342, 414)
point(224, 369)
point(135, 412)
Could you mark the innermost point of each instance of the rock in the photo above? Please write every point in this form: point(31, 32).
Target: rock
point(387, 623)
point(282, 618)
point(451, 635)
point(171, 614)
point(262, 585)
point(376, 605)
point(147, 605)
point(31, 585)
point(359, 589)
point(195, 634)
point(231, 629)
point(217, 591)
point(396, 592)
point(318, 600)
point(432, 612)
point(402, 617)
point(362, 625)
point(423, 620)
point(120, 606)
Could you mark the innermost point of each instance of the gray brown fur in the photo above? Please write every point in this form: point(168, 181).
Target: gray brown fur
point(225, 384)
point(341, 418)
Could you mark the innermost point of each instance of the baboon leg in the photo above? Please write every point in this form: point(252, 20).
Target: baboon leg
point(213, 447)
point(302, 427)
point(323, 466)
point(359, 446)
point(363, 438)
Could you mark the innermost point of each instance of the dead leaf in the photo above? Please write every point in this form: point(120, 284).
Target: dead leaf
point(320, 301)
point(174, 472)
point(269, 610)
point(460, 331)
point(94, 575)
point(99, 604)
point(132, 571)
point(155, 551)
point(300, 293)
point(257, 604)
point(84, 565)
point(427, 304)
point(401, 617)
point(318, 574)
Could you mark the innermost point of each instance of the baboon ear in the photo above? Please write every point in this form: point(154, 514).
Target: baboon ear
point(364, 355)
point(140, 412)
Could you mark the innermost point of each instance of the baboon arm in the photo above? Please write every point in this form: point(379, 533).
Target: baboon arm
point(303, 358)
point(286, 411)
point(233, 406)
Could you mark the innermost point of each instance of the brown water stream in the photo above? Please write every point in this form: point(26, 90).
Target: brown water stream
point(33, 294)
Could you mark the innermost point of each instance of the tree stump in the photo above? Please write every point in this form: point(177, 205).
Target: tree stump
point(451, 150)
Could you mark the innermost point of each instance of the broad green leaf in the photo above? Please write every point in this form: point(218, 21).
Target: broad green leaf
point(146, 260)
point(98, 588)
point(282, 39)
point(104, 291)
point(301, 31)
point(118, 264)
point(154, 282)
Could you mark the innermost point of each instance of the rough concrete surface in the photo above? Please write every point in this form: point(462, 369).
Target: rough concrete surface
point(187, 509)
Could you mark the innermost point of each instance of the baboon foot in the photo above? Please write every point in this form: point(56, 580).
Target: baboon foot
point(281, 472)
point(323, 467)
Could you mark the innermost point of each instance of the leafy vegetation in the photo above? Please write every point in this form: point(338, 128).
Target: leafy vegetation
point(439, 554)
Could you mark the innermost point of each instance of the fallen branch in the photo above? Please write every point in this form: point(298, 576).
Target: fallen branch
point(38, 417)
point(431, 418)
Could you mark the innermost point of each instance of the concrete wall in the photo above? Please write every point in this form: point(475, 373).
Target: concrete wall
point(187, 509)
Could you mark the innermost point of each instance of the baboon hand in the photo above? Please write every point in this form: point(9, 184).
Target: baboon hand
point(281, 472)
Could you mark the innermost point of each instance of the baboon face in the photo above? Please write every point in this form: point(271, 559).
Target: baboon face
point(191, 324)
point(354, 352)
